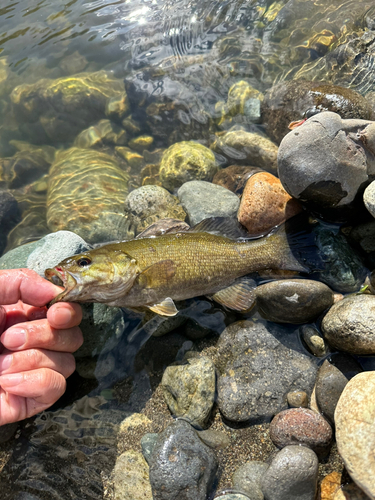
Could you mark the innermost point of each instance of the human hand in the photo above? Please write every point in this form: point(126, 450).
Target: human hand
point(35, 344)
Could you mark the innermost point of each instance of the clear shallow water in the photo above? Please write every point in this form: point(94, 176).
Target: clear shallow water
point(205, 46)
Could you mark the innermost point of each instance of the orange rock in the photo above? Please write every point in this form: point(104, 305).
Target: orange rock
point(329, 486)
point(265, 204)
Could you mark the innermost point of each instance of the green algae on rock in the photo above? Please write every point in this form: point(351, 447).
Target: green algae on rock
point(85, 195)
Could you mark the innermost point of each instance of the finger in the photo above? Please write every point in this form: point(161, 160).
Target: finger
point(33, 359)
point(64, 315)
point(20, 312)
point(2, 319)
point(26, 285)
point(39, 334)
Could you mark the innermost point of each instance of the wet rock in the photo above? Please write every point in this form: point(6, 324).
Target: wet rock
point(265, 204)
point(257, 371)
point(148, 204)
point(292, 475)
point(325, 163)
point(202, 200)
point(214, 439)
point(243, 105)
point(132, 158)
point(354, 420)
point(248, 477)
point(130, 477)
point(23, 168)
point(369, 198)
point(329, 486)
point(17, 258)
point(304, 427)
point(348, 325)
point(351, 492)
point(141, 143)
point(293, 301)
point(86, 190)
point(314, 341)
point(235, 496)
point(333, 375)
point(296, 99)
point(7, 431)
point(9, 216)
point(247, 148)
point(102, 133)
point(234, 177)
point(189, 389)
point(186, 161)
point(148, 442)
point(181, 465)
point(297, 399)
point(364, 236)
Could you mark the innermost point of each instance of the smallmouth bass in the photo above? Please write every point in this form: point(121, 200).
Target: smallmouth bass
point(154, 271)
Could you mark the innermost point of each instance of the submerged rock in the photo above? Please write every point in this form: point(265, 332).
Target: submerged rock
point(130, 477)
point(234, 177)
point(9, 216)
point(102, 133)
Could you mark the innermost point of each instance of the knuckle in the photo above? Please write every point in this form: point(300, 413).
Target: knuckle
point(34, 357)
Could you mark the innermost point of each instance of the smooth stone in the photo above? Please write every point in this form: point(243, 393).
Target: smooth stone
point(369, 198)
point(330, 485)
point(141, 142)
point(332, 377)
point(130, 477)
point(214, 439)
point(17, 258)
point(181, 465)
point(9, 216)
point(292, 475)
point(236, 496)
point(304, 427)
point(256, 371)
point(314, 340)
point(293, 301)
point(148, 442)
point(349, 325)
point(265, 204)
point(234, 177)
point(7, 431)
point(355, 430)
point(297, 399)
point(202, 200)
point(189, 389)
point(248, 478)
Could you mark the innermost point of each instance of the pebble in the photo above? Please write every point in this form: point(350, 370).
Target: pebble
point(297, 399)
point(189, 389)
point(257, 371)
point(9, 216)
point(292, 475)
point(355, 431)
point(293, 301)
point(202, 200)
point(314, 340)
point(214, 439)
point(301, 426)
point(181, 465)
point(248, 477)
point(265, 204)
point(148, 442)
point(332, 377)
point(234, 177)
point(349, 325)
point(330, 485)
point(130, 477)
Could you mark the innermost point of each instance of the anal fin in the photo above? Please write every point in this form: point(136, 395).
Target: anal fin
point(240, 296)
point(165, 308)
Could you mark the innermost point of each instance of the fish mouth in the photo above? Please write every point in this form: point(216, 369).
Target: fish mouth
point(59, 277)
point(298, 123)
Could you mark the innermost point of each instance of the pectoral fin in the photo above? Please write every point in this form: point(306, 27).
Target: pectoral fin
point(165, 308)
point(240, 296)
point(157, 274)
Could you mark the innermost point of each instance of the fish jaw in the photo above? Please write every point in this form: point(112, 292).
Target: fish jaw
point(68, 281)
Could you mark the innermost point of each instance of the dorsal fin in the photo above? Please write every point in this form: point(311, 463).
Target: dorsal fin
point(223, 226)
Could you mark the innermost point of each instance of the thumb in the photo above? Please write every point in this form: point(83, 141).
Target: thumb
point(2, 319)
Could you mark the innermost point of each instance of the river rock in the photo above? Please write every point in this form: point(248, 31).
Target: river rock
point(202, 200)
point(23, 168)
point(297, 399)
point(141, 142)
point(7, 431)
point(186, 161)
point(329, 486)
point(9, 216)
point(148, 204)
point(369, 198)
point(189, 389)
point(102, 133)
point(130, 477)
point(350, 492)
point(325, 163)
point(148, 442)
point(355, 436)
point(293, 301)
point(181, 465)
point(257, 371)
point(17, 258)
point(333, 375)
point(349, 325)
point(292, 475)
point(314, 341)
point(214, 439)
point(248, 478)
point(236, 496)
point(234, 177)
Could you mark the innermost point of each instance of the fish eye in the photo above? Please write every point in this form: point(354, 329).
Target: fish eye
point(84, 261)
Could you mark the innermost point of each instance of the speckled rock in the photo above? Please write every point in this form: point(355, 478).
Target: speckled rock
point(304, 427)
point(202, 200)
point(148, 204)
point(292, 475)
point(314, 341)
point(9, 216)
point(297, 399)
point(247, 148)
point(348, 325)
point(265, 204)
point(333, 375)
point(257, 371)
point(248, 477)
point(186, 161)
point(355, 436)
point(234, 177)
point(130, 477)
point(293, 301)
point(189, 389)
point(181, 465)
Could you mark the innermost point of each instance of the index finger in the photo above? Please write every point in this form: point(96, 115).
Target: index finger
point(25, 285)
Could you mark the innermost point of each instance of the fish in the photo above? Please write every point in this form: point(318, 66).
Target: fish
point(214, 258)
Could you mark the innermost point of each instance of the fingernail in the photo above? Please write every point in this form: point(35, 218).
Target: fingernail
point(63, 316)
point(5, 362)
point(14, 337)
point(11, 380)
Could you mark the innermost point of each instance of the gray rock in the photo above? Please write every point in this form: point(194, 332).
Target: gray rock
point(236, 496)
point(17, 258)
point(7, 431)
point(9, 216)
point(293, 301)
point(369, 198)
point(248, 477)
point(202, 200)
point(292, 475)
point(333, 375)
point(257, 371)
point(148, 442)
point(130, 477)
point(214, 439)
point(189, 389)
point(314, 340)
point(181, 466)
point(355, 436)
point(349, 325)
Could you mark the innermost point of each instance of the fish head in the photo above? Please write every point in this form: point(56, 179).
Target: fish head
point(99, 275)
